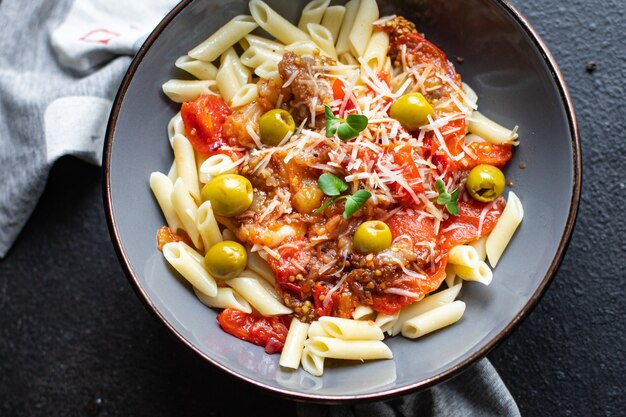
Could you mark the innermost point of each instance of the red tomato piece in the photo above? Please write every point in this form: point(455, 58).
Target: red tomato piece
point(204, 120)
point(407, 223)
point(487, 153)
point(324, 307)
point(403, 157)
point(464, 227)
point(426, 52)
point(269, 332)
point(338, 89)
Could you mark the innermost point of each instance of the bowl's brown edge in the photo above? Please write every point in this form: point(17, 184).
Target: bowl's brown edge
point(530, 305)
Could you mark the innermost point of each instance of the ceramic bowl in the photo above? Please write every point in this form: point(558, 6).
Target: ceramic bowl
point(518, 83)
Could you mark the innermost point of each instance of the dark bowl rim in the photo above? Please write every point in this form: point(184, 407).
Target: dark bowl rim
point(386, 394)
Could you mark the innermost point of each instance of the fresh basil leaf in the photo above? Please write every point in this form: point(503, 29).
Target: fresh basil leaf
point(331, 185)
point(444, 197)
point(345, 129)
point(332, 122)
point(355, 201)
point(453, 208)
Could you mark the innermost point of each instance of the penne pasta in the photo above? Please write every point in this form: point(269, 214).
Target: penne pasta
point(188, 90)
point(241, 72)
point(329, 347)
point(275, 24)
point(434, 319)
point(376, 51)
point(186, 210)
point(175, 126)
point(257, 264)
point(215, 165)
point(386, 321)
point(343, 42)
point(263, 43)
point(504, 229)
point(294, 344)
point(225, 37)
point(225, 298)
point(347, 329)
point(489, 130)
point(305, 48)
point(207, 225)
point(256, 56)
point(451, 278)
point(312, 13)
point(227, 79)
point(312, 363)
point(316, 329)
point(184, 156)
point(362, 27)
point(172, 174)
point(257, 295)
point(464, 255)
point(332, 19)
point(202, 70)
point(161, 187)
point(471, 98)
point(426, 304)
point(267, 71)
point(362, 312)
point(191, 270)
point(322, 38)
point(480, 273)
point(480, 245)
point(245, 95)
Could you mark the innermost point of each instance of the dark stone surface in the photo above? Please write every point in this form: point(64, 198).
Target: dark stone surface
point(76, 341)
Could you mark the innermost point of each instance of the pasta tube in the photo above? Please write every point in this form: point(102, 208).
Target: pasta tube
point(386, 321)
point(184, 156)
point(294, 344)
point(490, 130)
point(316, 329)
point(258, 296)
point(188, 90)
point(312, 363)
point(464, 255)
point(200, 69)
point(175, 126)
point(186, 210)
point(161, 187)
point(434, 319)
point(350, 329)
point(362, 312)
point(192, 271)
point(275, 24)
point(333, 17)
point(343, 46)
point(362, 27)
point(312, 13)
point(224, 38)
point(225, 298)
point(426, 304)
point(329, 347)
point(481, 273)
point(504, 229)
point(207, 225)
point(323, 38)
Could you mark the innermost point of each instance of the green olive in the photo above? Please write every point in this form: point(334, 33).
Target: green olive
point(308, 199)
point(411, 110)
point(485, 183)
point(372, 236)
point(274, 126)
point(226, 260)
point(230, 194)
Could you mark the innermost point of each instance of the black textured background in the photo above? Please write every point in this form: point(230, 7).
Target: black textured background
point(76, 341)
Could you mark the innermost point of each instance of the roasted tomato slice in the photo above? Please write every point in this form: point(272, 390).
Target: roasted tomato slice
point(403, 157)
point(487, 153)
point(467, 226)
point(204, 120)
point(269, 332)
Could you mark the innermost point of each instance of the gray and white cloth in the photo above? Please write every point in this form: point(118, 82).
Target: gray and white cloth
point(61, 63)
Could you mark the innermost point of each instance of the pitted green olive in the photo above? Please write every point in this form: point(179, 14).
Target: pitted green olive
point(274, 126)
point(230, 194)
point(372, 236)
point(226, 260)
point(485, 183)
point(411, 110)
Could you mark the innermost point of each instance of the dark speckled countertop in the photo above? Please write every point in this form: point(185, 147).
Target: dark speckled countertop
point(76, 341)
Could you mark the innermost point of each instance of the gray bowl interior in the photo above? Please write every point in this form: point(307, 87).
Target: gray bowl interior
point(515, 86)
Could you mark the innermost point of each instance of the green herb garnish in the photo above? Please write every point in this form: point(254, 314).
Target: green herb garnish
point(346, 129)
point(449, 200)
point(333, 186)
